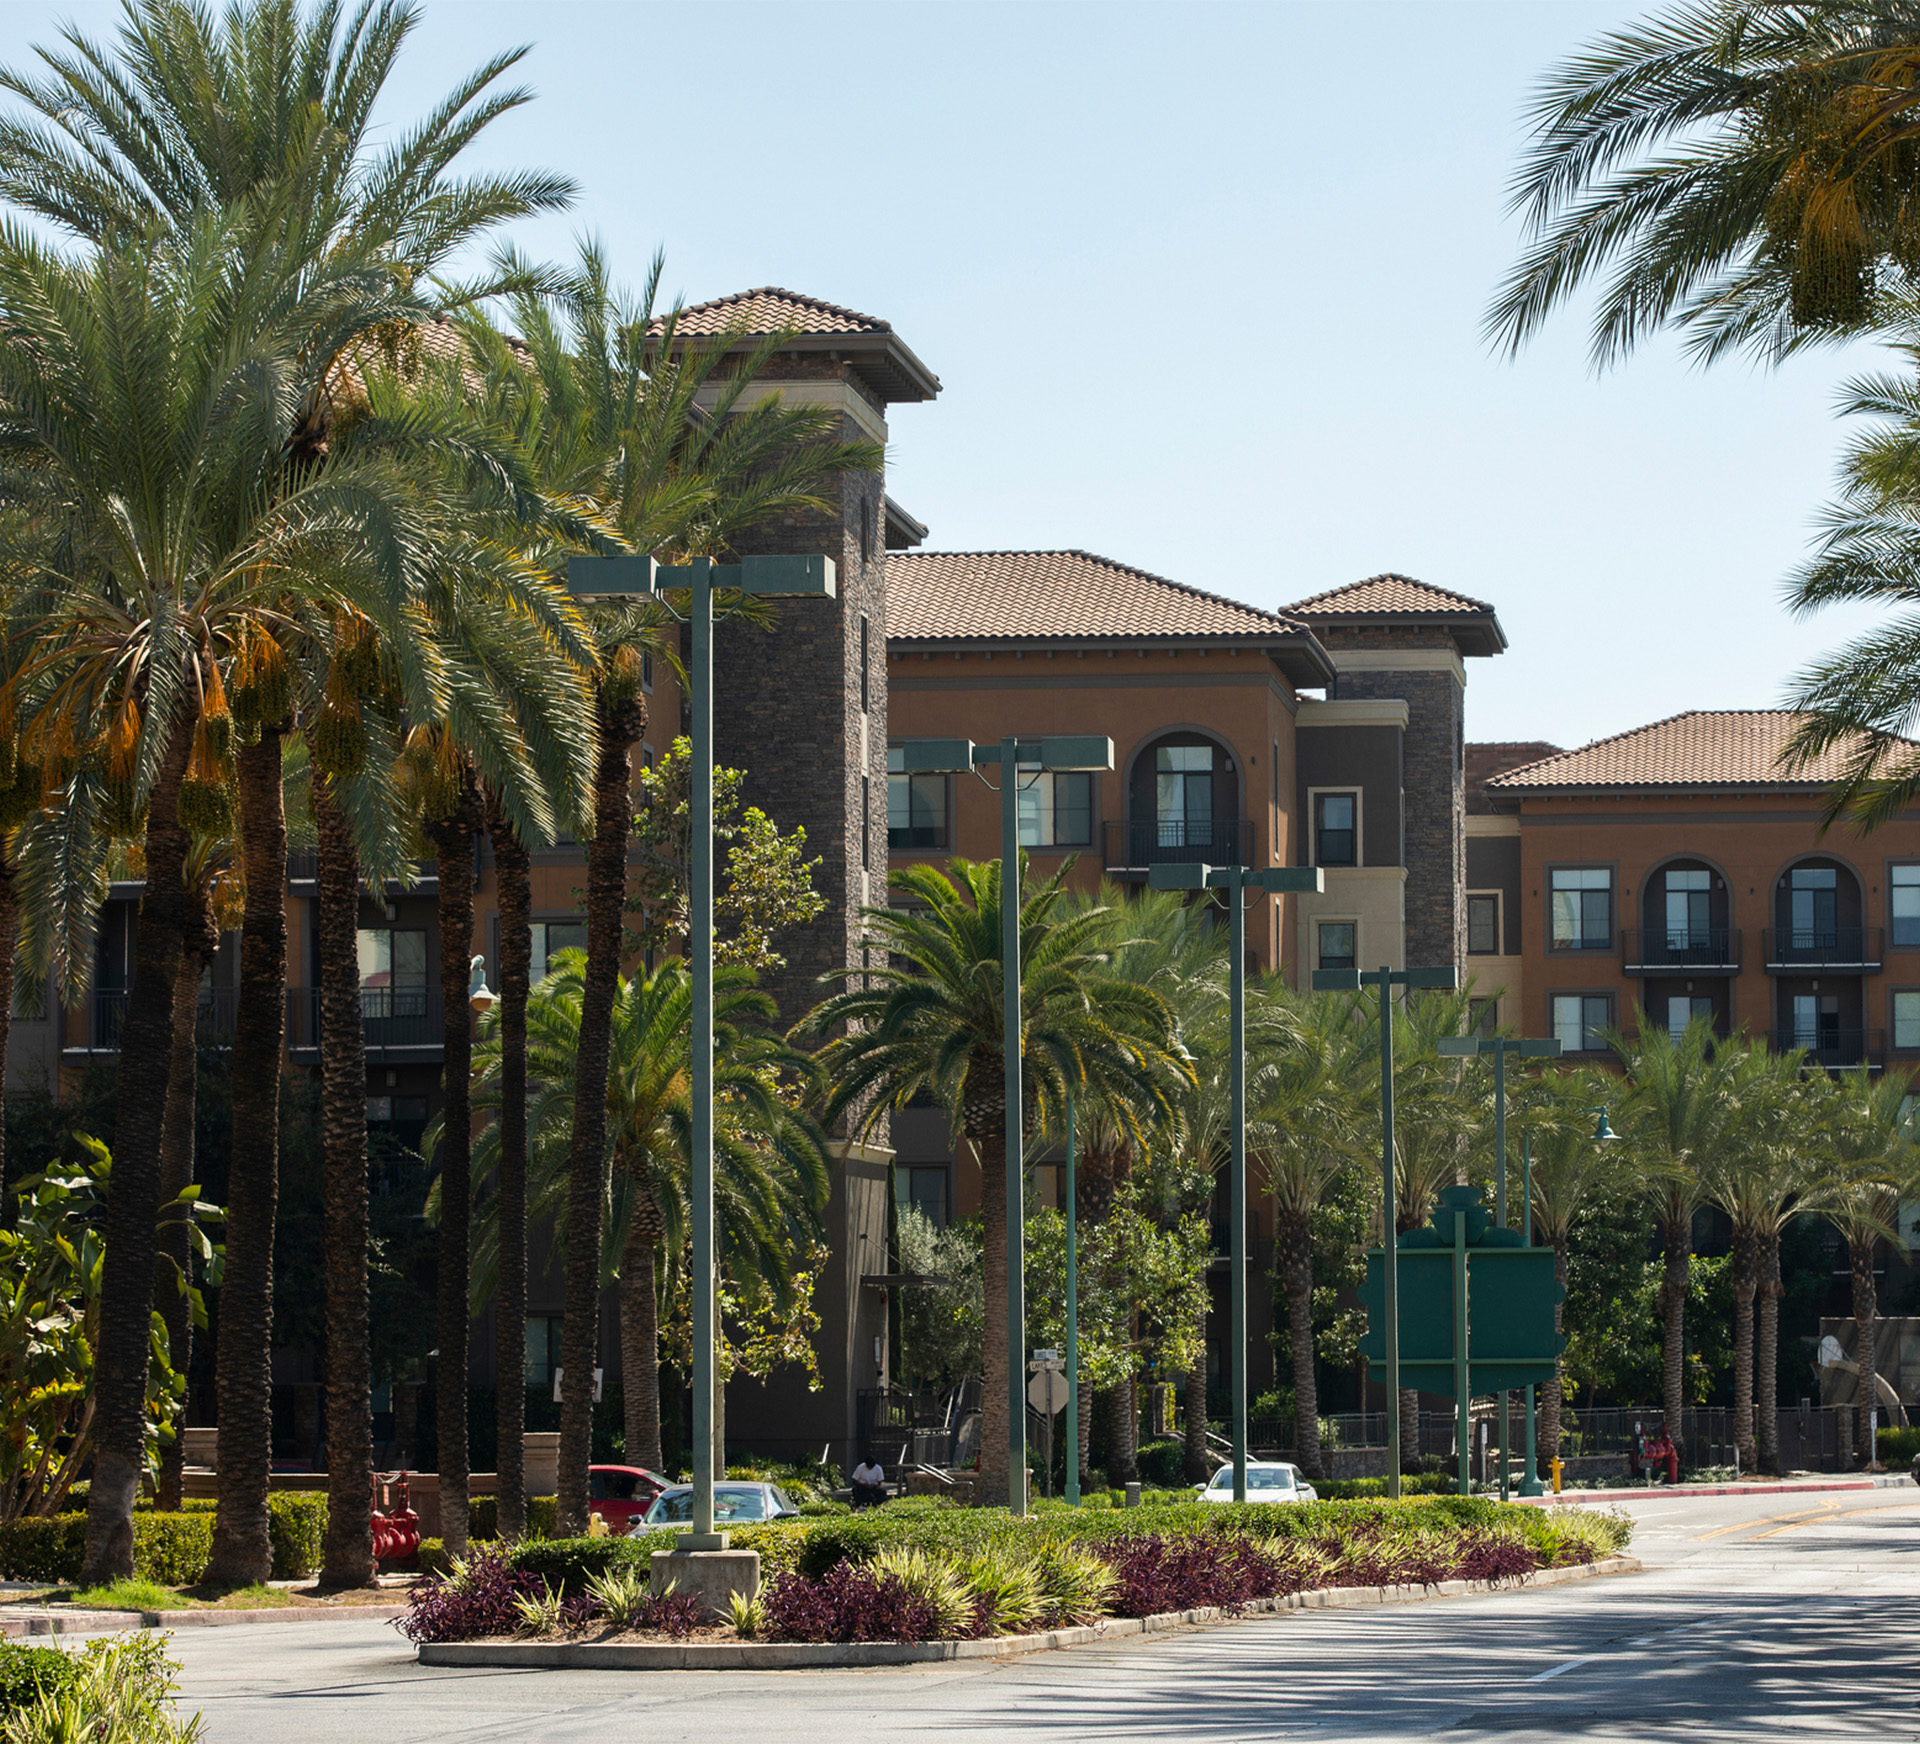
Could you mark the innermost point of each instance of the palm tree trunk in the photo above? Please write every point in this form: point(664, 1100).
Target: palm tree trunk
point(1766, 1358)
point(640, 1343)
point(1295, 1256)
point(1865, 1307)
point(1085, 1415)
point(620, 725)
point(348, 1554)
point(1196, 1462)
point(1677, 1248)
point(126, 1284)
point(453, 849)
point(1123, 1433)
point(1410, 1429)
point(1745, 1282)
point(176, 1175)
point(243, 1359)
point(512, 873)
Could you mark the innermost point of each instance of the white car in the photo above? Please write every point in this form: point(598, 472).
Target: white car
point(1268, 1480)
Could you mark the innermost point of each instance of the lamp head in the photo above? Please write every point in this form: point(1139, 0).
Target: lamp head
point(479, 995)
point(1603, 1132)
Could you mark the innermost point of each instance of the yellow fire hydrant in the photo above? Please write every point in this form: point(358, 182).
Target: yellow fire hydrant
point(1557, 1467)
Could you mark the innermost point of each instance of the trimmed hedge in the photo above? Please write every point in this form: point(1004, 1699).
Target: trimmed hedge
point(1898, 1446)
point(170, 1549)
point(28, 1673)
point(483, 1517)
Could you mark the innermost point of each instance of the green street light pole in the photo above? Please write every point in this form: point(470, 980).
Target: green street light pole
point(1015, 758)
point(1386, 979)
point(1501, 1048)
point(1234, 882)
point(1073, 1319)
point(633, 577)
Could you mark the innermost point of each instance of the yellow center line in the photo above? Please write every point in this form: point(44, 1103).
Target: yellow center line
point(1795, 1525)
point(1766, 1520)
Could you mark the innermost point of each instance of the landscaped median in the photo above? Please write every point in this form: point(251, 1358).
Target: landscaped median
point(916, 1581)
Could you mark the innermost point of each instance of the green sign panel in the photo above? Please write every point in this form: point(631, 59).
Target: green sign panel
point(1511, 1294)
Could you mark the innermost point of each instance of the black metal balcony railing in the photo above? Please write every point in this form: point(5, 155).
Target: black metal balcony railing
point(1654, 950)
point(1833, 1047)
point(1134, 846)
point(393, 1018)
point(1790, 948)
point(107, 1016)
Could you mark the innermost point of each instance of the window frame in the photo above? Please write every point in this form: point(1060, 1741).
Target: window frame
point(1580, 948)
point(1894, 996)
point(1496, 897)
point(1894, 940)
point(1056, 845)
point(1337, 791)
point(1606, 995)
point(945, 827)
point(1323, 921)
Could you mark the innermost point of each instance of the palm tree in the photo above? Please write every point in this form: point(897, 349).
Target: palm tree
point(1874, 1154)
point(1741, 170)
point(1307, 1126)
point(770, 1158)
point(1569, 1170)
point(1675, 1115)
point(931, 1021)
point(267, 118)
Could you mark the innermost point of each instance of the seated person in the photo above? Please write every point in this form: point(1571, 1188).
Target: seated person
point(869, 1484)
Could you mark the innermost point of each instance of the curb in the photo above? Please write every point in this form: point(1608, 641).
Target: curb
point(1682, 1490)
point(820, 1655)
point(50, 1622)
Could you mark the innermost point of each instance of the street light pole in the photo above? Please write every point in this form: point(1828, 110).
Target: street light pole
point(1501, 1048)
point(1234, 882)
point(1073, 1319)
point(1015, 758)
point(627, 577)
point(1386, 979)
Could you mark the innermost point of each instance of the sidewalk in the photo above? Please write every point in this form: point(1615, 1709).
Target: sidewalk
point(1808, 1484)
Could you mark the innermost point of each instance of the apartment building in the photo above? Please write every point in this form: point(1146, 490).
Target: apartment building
point(1674, 870)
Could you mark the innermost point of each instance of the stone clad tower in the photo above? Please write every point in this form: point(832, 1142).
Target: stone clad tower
point(1393, 637)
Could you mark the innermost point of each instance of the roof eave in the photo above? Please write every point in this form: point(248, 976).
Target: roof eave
point(1613, 789)
point(1476, 635)
point(1305, 663)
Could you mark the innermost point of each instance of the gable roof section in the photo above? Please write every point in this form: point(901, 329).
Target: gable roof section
point(1728, 748)
point(948, 597)
point(876, 352)
point(1400, 599)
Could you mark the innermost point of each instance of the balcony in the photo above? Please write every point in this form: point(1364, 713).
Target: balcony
point(400, 1023)
point(1792, 949)
point(106, 1016)
point(1835, 1047)
point(1133, 847)
point(1667, 951)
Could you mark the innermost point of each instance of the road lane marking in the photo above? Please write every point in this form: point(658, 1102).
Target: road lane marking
point(1565, 1665)
point(1815, 1520)
point(1764, 1520)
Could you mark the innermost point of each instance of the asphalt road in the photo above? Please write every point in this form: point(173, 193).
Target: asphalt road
point(1759, 1617)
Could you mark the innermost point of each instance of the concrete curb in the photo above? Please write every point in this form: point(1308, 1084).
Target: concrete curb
point(1887, 1482)
point(819, 1655)
point(65, 1622)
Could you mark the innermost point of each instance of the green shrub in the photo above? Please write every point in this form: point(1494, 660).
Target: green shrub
point(170, 1550)
point(1161, 1463)
point(27, 1673)
point(43, 1550)
point(1898, 1446)
point(120, 1689)
point(567, 1564)
point(543, 1516)
point(1414, 1484)
point(297, 1530)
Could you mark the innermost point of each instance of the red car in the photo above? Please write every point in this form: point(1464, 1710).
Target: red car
point(620, 1494)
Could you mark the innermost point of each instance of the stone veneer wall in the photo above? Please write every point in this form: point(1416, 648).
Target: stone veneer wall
point(1434, 784)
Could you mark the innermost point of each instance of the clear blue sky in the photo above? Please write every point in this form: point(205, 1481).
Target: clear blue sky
point(1203, 285)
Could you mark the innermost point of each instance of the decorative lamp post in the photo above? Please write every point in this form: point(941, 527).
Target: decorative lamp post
point(1073, 1317)
point(1501, 1048)
point(635, 577)
point(1386, 979)
point(1017, 760)
point(479, 995)
point(1235, 881)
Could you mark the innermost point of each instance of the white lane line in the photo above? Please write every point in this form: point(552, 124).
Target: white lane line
point(1566, 1665)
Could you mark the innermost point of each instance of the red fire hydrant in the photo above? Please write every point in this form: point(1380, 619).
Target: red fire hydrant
point(1661, 1452)
point(396, 1530)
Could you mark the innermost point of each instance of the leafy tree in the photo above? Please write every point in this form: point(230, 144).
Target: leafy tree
point(941, 1323)
point(764, 884)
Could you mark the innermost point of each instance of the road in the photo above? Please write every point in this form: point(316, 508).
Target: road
point(1758, 1617)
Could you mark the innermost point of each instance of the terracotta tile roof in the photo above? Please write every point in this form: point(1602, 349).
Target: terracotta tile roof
point(1397, 596)
point(769, 309)
point(983, 596)
point(1701, 748)
point(1496, 757)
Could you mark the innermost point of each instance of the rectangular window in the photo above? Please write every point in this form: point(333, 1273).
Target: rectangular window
point(866, 817)
point(1814, 902)
point(1056, 811)
point(1688, 906)
point(1483, 926)
point(1581, 1020)
point(1582, 908)
point(1483, 1017)
point(1903, 904)
point(646, 669)
point(864, 685)
point(1682, 1009)
point(550, 938)
point(393, 971)
point(543, 1348)
point(1276, 771)
point(1339, 945)
point(916, 806)
point(1906, 1019)
point(923, 1189)
point(1336, 835)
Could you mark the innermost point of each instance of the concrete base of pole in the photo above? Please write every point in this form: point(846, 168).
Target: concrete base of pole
point(711, 1576)
point(1532, 1486)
